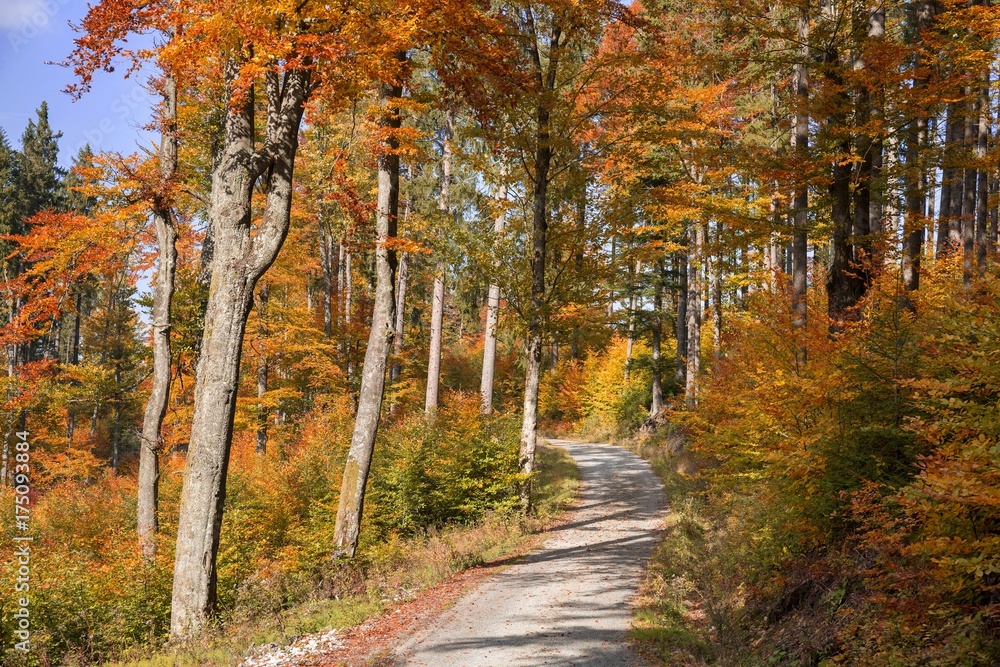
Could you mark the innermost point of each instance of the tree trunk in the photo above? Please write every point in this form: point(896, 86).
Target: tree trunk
point(434, 358)
point(968, 223)
point(262, 369)
point(716, 281)
point(844, 286)
point(348, 303)
point(632, 298)
point(330, 268)
point(539, 230)
point(359, 457)
point(529, 425)
point(238, 263)
point(916, 198)
point(397, 341)
point(490, 335)
point(437, 301)
point(983, 185)
point(163, 292)
point(694, 311)
point(657, 401)
point(632, 305)
point(953, 152)
point(991, 232)
point(680, 374)
point(801, 200)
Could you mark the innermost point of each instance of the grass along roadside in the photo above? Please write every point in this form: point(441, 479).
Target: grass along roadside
point(677, 614)
point(392, 573)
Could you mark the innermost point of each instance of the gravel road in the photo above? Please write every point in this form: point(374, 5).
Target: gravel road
point(568, 603)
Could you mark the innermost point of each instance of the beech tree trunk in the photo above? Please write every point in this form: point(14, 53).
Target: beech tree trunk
point(239, 261)
point(716, 282)
point(694, 310)
point(680, 375)
point(632, 298)
point(437, 299)
point(163, 293)
point(359, 457)
point(656, 404)
point(953, 152)
point(490, 335)
point(397, 341)
point(434, 358)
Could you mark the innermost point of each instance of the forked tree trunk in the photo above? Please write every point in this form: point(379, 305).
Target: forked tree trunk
point(238, 263)
point(359, 457)
point(163, 293)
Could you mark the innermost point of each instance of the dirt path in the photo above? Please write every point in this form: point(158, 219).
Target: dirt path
point(568, 603)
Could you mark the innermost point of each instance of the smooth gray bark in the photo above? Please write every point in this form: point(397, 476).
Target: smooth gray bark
point(163, 293)
point(437, 298)
point(239, 260)
point(656, 404)
point(694, 311)
point(397, 341)
point(352, 490)
point(681, 269)
point(632, 304)
point(490, 335)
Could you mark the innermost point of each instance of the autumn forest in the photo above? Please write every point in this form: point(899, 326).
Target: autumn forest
point(299, 359)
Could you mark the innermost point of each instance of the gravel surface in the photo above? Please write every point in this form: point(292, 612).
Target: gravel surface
point(568, 603)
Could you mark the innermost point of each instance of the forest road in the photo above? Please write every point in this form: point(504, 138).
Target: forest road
point(570, 602)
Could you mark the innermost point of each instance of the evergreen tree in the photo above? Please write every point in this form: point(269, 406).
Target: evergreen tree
point(40, 179)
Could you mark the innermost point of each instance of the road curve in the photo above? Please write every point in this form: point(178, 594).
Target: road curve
point(568, 603)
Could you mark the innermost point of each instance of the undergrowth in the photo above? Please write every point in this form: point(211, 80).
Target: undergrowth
point(383, 575)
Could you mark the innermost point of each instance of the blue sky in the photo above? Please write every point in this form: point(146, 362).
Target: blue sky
point(110, 117)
